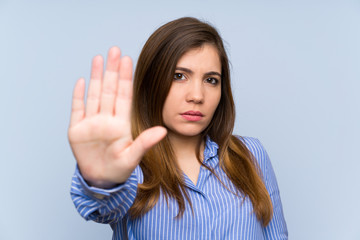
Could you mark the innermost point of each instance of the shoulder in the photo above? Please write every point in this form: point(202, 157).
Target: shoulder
point(257, 149)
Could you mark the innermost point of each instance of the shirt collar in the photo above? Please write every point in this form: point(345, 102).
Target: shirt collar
point(210, 150)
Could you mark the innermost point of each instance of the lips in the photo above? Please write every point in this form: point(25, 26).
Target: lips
point(193, 113)
point(192, 116)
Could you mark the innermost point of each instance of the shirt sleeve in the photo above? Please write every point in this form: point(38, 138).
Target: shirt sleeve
point(103, 205)
point(276, 229)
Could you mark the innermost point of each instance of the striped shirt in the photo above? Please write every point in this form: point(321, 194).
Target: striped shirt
point(218, 213)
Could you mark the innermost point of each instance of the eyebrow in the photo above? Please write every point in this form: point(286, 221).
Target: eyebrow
point(191, 72)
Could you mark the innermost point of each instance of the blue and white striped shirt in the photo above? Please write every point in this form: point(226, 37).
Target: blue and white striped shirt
point(218, 213)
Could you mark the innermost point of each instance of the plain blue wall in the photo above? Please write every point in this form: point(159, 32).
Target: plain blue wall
point(296, 78)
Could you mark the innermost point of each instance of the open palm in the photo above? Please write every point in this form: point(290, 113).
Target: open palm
point(100, 131)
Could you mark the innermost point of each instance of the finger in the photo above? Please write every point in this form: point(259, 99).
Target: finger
point(78, 108)
point(93, 96)
point(145, 141)
point(124, 91)
point(109, 84)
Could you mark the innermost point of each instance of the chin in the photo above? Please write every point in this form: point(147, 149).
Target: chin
point(188, 132)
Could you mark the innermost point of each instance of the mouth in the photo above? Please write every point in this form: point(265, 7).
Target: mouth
point(193, 113)
point(192, 116)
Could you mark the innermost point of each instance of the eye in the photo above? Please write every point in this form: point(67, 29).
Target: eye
point(212, 81)
point(179, 76)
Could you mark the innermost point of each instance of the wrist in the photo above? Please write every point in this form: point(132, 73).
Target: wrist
point(100, 184)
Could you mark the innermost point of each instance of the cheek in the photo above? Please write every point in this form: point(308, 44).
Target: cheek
point(171, 99)
point(215, 100)
point(168, 106)
point(165, 110)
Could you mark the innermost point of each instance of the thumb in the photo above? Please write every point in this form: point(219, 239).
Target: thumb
point(147, 140)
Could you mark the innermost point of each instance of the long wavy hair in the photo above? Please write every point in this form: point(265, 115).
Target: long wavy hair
point(152, 81)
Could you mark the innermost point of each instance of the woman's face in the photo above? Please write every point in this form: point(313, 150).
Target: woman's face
point(195, 92)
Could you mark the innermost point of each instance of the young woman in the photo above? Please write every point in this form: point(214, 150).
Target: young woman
point(156, 158)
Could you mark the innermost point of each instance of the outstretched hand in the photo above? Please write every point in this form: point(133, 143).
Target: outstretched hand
point(100, 130)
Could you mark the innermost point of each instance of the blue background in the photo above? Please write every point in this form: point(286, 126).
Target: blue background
point(296, 78)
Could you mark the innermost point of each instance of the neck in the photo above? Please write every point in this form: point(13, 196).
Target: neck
point(185, 147)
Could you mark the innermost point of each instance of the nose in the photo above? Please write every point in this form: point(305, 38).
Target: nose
point(195, 92)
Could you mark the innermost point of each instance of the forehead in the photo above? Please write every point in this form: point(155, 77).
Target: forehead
point(206, 56)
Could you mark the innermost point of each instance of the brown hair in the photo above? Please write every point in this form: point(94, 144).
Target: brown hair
point(152, 81)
